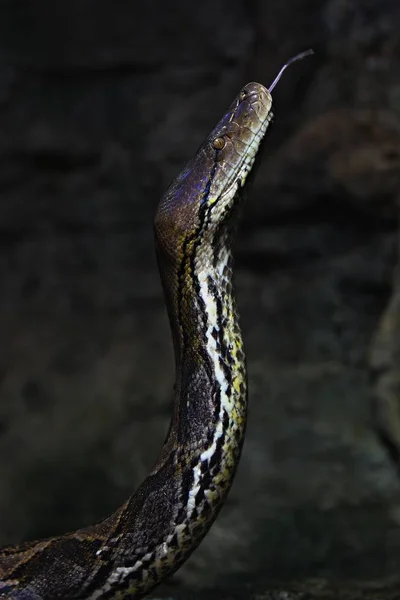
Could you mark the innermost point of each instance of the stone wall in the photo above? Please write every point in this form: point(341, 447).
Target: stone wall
point(100, 104)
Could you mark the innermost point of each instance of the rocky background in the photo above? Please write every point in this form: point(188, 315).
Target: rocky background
point(101, 103)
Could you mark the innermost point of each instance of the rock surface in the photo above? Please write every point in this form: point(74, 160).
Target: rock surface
point(100, 105)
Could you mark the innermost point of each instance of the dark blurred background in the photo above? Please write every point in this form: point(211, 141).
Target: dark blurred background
point(101, 103)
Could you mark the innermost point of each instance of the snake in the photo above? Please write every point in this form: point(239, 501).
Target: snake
point(156, 529)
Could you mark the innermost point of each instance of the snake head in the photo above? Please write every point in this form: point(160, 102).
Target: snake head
point(204, 192)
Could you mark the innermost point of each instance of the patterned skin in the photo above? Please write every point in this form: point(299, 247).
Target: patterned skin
point(158, 527)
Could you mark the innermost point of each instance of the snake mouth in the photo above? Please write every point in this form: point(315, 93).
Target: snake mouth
point(236, 174)
point(250, 156)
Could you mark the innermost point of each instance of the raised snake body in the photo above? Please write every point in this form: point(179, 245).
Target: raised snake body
point(158, 527)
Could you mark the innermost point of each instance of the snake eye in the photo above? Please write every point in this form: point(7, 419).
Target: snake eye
point(243, 95)
point(218, 143)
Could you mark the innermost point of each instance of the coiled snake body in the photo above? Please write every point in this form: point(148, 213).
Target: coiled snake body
point(157, 528)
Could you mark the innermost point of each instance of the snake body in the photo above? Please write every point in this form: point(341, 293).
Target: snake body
point(158, 527)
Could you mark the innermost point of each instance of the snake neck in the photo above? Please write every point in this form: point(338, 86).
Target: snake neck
point(209, 415)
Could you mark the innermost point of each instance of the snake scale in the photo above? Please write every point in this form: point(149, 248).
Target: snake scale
point(157, 528)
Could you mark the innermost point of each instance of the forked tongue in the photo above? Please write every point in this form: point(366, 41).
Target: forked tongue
point(289, 62)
